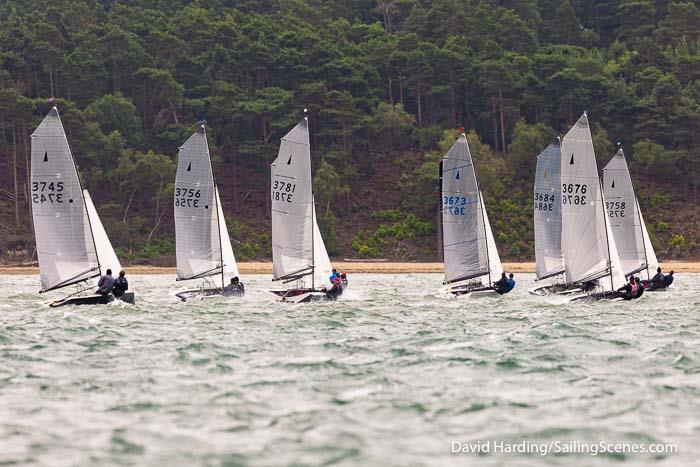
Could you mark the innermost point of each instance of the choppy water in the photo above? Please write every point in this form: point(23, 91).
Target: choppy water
point(392, 377)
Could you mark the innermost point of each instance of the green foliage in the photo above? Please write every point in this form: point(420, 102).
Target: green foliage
point(679, 245)
point(385, 87)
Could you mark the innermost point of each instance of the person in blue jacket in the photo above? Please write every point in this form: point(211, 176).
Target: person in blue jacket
point(511, 283)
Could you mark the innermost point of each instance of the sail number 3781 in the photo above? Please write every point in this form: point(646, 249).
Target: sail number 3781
point(283, 191)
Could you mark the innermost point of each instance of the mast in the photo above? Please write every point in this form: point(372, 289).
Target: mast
point(313, 210)
point(216, 211)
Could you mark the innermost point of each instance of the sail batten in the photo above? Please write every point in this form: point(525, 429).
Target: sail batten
point(297, 244)
point(547, 213)
point(64, 238)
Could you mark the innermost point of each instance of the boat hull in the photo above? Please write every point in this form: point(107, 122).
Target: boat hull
point(203, 294)
point(555, 289)
point(480, 291)
point(304, 295)
point(93, 299)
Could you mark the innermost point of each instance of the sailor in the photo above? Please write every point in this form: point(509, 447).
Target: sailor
point(657, 281)
point(121, 285)
point(501, 285)
point(629, 290)
point(334, 275)
point(236, 287)
point(344, 279)
point(668, 280)
point(510, 283)
point(105, 283)
point(640, 289)
point(334, 292)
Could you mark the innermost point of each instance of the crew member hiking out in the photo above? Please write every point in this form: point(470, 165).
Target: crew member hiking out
point(629, 290)
point(236, 287)
point(121, 285)
point(105, 284)
point(501, 285)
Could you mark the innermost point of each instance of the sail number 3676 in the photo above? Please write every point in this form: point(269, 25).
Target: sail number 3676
point(573, 193)
point(283, 191)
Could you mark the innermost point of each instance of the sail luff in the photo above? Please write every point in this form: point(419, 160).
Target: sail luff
point(65, 242)
point(229, 260)
point(495, 266)
point(106, 256)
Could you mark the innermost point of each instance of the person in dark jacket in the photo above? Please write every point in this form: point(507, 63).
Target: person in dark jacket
point(121, 285)
point(236, 287)
point(668, 280)
point(105, 284)
point(640, 288)
point(336, 290)
point(657, 281)
point(501, 285)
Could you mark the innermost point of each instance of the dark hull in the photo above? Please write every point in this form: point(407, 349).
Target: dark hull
point(128, 297)
point(305, 295)
point(594, 297)
point(560, 289)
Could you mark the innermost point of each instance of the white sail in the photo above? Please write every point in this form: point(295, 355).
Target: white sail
point(197, 231)
point(495, 266)
point(230, 266)
point(64, 240)
point(463, 231)
point(297, 245)
point(547, 213)
point(588, 246)
point(652, 261)
point(105, 253)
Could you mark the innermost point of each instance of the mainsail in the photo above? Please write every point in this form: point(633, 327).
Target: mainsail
point(588, 245)
point(626, 221)
point(202, 244)
point(298, 251)
point(64, 239)
point(547, 209)
point(105, 252)
point(464, 232)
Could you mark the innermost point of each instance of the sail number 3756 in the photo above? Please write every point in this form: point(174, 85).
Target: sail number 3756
point(187, 197)
point(573, 193)
point(283, 191)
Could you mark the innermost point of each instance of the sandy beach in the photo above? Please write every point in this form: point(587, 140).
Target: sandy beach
point(349, 267)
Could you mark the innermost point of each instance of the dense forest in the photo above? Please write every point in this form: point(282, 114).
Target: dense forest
point(388, 84)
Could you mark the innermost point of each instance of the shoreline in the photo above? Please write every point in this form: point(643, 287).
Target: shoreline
point(265, 267)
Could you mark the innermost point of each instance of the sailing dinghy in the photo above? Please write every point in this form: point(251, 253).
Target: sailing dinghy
point(202, 244)
point(591, 260)
point(472, 264)
point(626, 222)
point(299, 256)
point(547, 220)
point(71, 242)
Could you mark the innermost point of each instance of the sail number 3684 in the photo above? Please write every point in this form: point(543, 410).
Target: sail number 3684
point(544, 202)
point(283, 191)
point(47, 192)
point(573, 193)
point(187, 197)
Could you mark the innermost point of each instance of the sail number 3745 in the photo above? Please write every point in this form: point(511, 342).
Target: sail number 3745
point(283, 191)
point(47, 192)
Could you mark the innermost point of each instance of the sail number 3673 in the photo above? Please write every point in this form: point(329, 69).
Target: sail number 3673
point(573, 193)
point(47, 192)
point(283, 191)
point(454, 205)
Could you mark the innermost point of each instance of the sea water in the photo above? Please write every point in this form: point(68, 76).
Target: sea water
point(394, 374)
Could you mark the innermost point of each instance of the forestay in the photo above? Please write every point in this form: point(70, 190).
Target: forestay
point(105, 252)
point(495, 267)
point(298, 251)
point(64, 240)
point(197, 232)
point(463, 228)
point(547, 212)
point(588, 246)
point(625, 216)
point(229, 260)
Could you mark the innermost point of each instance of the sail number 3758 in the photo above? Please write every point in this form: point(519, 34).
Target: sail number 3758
point(283, 191)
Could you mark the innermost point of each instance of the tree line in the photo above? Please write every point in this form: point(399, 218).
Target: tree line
point(386, 84)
